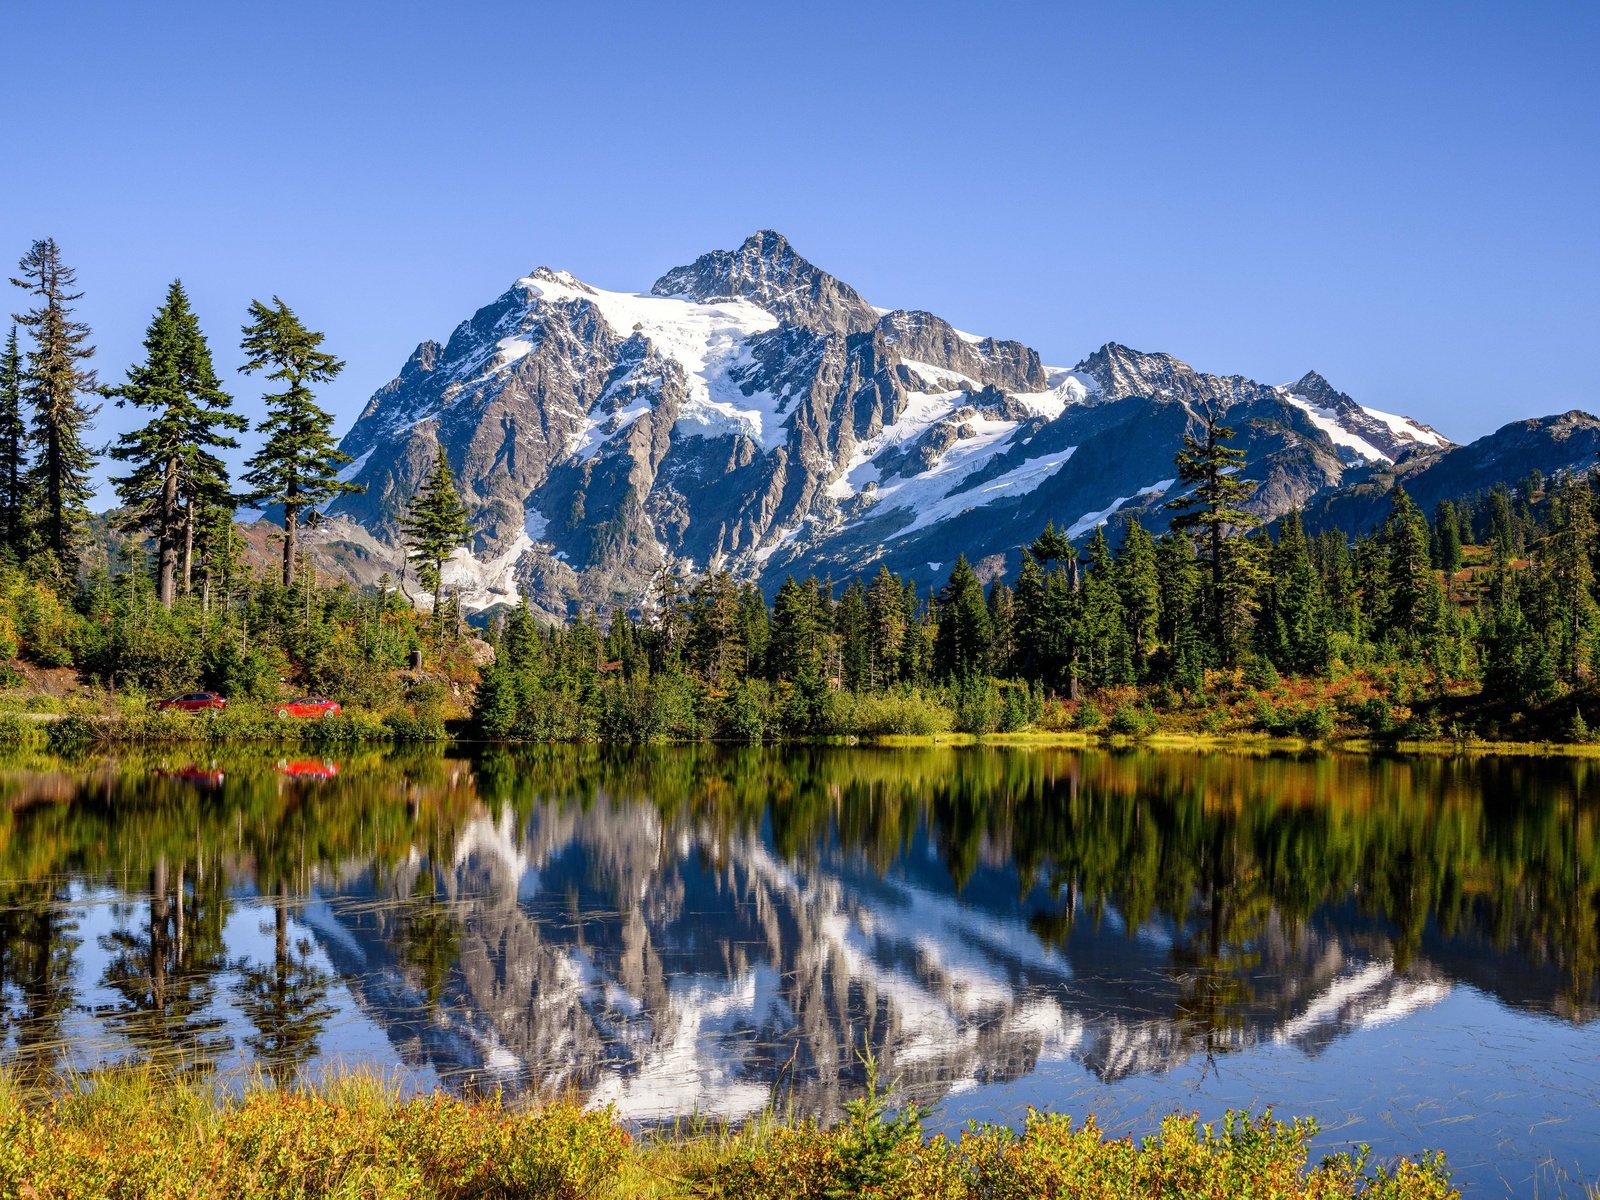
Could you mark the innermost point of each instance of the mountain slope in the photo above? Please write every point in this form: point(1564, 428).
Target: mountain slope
point(753, 413)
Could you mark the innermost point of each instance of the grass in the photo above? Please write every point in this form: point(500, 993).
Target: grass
point(136, 1133)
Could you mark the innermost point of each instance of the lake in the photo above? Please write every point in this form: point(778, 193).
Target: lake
point(1406, 949)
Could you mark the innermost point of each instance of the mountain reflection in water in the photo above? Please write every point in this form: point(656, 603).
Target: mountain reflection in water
point(685, 930)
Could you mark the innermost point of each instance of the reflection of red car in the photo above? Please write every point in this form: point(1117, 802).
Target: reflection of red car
point(309, 706)
point(308, 768)
point(192, 702)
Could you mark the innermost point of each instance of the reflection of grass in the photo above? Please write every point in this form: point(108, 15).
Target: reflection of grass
point(137, 1133)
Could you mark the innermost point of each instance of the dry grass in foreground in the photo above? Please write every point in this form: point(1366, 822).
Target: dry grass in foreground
point(135, 1134)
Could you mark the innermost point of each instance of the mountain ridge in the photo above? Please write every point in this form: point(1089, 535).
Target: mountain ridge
point(753, 413)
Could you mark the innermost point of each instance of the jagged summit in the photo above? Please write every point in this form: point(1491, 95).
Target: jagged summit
point(769, 272)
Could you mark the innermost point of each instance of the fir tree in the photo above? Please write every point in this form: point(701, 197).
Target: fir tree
point(1572, 571)
point(1140, 590)
point(794, 650)
point(13, 446)
point(55, 383)
point(961, 646)
point(1410, 571)
point(1103, 631)
point(435, 527)
point(175, 474)
point(297, 468)
point(887, 622)
point(1214, 510)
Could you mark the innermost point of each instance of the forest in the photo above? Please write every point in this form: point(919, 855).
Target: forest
point(1475, 621)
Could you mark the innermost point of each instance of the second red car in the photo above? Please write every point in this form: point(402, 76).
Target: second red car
point(192, 702)
point(309, 706)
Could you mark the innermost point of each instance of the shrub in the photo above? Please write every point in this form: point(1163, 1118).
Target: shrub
point(905, 714)
point(977, 705)
point(1128, 721)
point(69, 736)
point(14, 732)
point(1314, 723)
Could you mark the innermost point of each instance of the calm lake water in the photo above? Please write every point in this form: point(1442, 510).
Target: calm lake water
point(1406, 949)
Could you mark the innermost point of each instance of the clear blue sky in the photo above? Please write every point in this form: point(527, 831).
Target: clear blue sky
point(1403, 197)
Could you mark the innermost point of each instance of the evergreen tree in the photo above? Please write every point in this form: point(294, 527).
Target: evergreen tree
point(887, 621)
point(794, 649)
point(1213, 511)
point(1447, 554)
point(1502, 537)
point(1182, 619)
point(1410, 574)
point(1293, 625)
point(1572, 572)
point(297, 467)
point(435, 527)
point(56, 381)
point(1140, 591)
point(961, 644)
point(1102, 628)
point(852, 625)
point(13, 446)
point(174, 469)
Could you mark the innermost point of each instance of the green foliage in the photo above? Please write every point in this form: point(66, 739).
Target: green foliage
point(176, 474)
point(297, 466)
point(54, 384)
point(435, 527)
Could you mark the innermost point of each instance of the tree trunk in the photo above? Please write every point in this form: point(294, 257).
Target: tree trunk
point(188, 546)
point(291, 526)
point(166, 538)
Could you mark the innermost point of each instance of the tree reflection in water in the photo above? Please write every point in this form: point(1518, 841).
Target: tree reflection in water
point(693, 927)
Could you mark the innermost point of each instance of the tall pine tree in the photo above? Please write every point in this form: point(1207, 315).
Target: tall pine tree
point(175, 474)
point(435, 527)
point(1213, 512)
point(13, 446)
point(55, 383)
point(298, 466)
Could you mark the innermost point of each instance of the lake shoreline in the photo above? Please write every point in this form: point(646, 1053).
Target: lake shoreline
point(77, 733)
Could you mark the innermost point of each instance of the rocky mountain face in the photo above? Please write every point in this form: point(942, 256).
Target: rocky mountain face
point(1567, 442)
point(752, 413)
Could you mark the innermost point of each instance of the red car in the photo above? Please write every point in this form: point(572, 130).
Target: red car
point(193, 702)
point(309, 706)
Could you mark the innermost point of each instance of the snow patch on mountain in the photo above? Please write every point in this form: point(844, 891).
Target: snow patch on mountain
point(707, 340)
point(1089, 520)
point(479, 584)
point(1327, 420)
point(1406, 427)
point(1017, 482)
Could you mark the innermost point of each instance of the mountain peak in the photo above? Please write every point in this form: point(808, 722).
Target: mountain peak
point(1315, 388)
point(769, 272)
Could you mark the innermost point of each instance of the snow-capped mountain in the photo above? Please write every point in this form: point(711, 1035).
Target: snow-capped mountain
point(751, 412)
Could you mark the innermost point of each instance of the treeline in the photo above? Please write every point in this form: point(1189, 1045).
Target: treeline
point(1199, 629)
point(160, 595)
point(1217, 610)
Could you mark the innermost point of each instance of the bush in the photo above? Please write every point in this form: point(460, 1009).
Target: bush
point(70, 736)
point(908, 713)
point(1314, 723)
point(977, 705)
point(14, 732)
point(1128, 721)
point(1260, 673)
